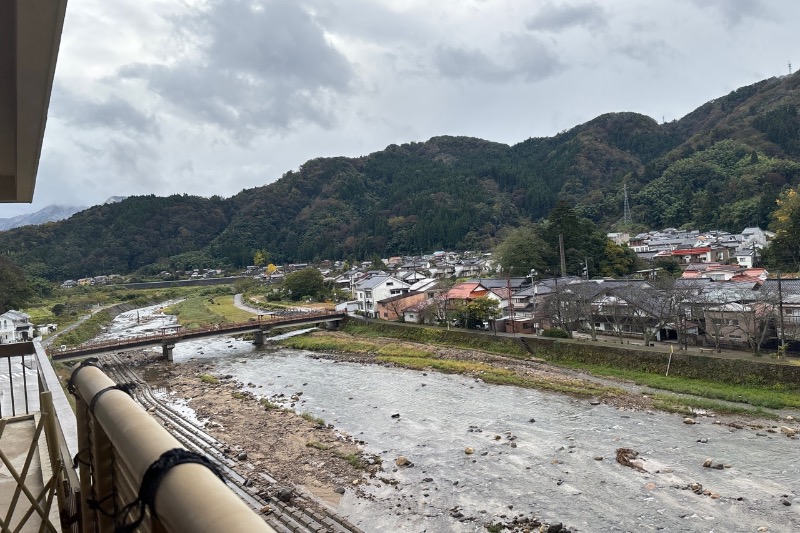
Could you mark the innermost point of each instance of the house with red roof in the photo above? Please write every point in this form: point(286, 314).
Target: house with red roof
point(467, 291)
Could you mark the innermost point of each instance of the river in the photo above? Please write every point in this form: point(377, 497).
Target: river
point(535, 453)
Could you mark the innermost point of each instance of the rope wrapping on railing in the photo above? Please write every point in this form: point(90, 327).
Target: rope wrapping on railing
point(92, 361)
point(124, 387)
point(151, 480)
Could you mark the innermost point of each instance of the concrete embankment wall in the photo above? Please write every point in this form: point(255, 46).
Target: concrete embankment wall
point(723, 369)
point(115, 310)
point(763, 372)
point(180, 283)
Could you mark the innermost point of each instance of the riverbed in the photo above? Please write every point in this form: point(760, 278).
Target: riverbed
point(533, 453)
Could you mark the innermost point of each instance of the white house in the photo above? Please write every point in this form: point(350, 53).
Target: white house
point(376, 288)
point(15, 327)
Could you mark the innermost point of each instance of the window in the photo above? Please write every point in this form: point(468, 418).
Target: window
point(385, 314)
point(733, 322)
point(389, 283)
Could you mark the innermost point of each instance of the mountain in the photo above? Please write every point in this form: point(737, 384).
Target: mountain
point(51, 213)
point(720, 167)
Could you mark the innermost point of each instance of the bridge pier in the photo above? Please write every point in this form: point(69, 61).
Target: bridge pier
point(258, 337)
point(166, 350)
point(331, 325)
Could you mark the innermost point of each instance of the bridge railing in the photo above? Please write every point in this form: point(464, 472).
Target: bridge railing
point(137, 477)
point(287, 316)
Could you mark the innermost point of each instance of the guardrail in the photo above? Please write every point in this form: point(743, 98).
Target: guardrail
point(135, 476)
point(164, 337)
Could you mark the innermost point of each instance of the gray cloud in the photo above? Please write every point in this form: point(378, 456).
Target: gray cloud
point(651, 52)
point(469, 64)
point(557, 17)
point(735, 11)
point(262, 66)
point(527, 59)
point(113, 113)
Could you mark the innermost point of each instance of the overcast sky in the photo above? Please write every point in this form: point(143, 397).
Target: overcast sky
point(215, 96)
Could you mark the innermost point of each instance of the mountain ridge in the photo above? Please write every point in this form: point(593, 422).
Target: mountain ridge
point(720, 167)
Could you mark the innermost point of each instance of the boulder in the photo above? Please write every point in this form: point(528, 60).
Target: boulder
point(401, 461)
point(789, 432)
point(688, 420)
point(469, 450)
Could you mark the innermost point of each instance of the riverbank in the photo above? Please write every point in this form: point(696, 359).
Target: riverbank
point(276, 447)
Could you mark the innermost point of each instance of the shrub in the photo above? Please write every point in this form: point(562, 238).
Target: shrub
point(556, 333)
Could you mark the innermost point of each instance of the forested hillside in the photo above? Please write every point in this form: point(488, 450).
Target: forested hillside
point(722, 166)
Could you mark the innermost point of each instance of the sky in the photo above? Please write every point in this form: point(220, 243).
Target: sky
point(210, 97)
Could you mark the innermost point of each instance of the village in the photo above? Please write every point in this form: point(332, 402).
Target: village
point(721, 299)
point(717, 297)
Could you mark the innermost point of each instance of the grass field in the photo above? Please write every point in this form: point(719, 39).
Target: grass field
point(202, 311)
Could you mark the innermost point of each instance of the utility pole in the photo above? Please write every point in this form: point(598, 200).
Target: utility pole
point(510, 304)
point(561, 253)
point(780, 314)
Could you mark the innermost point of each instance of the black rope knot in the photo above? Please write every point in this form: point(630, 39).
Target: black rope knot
point(152, 479)
point(124, 387)
point(91, 361)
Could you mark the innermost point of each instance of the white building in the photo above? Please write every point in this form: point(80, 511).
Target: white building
point(15, 327)
point(376, 288)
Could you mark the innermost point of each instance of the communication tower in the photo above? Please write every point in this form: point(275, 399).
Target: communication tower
point(626, 214)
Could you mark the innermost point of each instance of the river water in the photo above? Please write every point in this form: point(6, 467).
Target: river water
point(535, 453)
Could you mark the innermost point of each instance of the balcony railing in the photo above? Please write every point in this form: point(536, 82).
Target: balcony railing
point(134, 475)
point(44, 491)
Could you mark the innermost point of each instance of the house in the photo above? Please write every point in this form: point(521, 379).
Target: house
point(379, 287)
point(467, 291)
point(70, 283)
point(15, 327)
point(392, 308)
point(501, 295)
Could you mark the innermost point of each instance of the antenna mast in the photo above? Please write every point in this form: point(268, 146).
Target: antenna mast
point(626, 216)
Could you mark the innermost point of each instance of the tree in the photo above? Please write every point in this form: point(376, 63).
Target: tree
point(619, 260)
point(245, 285)
point(576, 306)
point(473, 313)
point(260, 257)
point(304, 283)
point(522, 251)
point(757, 316)
point(13, 289)
point(784, 251)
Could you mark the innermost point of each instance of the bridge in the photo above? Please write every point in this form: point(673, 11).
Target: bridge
point(169, 336)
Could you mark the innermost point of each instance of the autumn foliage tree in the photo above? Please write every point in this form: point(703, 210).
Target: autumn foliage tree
point(784, 250)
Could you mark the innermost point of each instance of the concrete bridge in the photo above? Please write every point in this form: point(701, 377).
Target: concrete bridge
point(169, 336)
